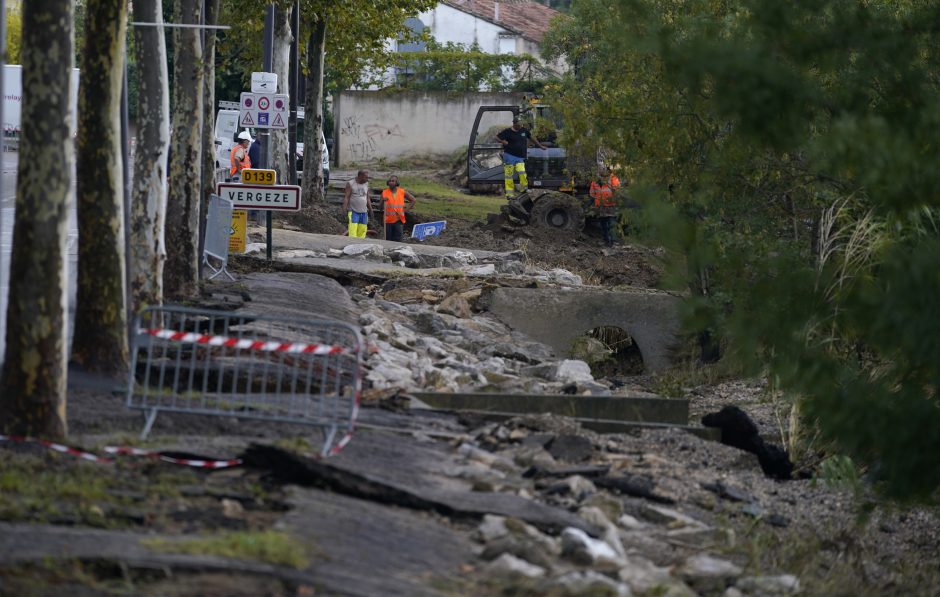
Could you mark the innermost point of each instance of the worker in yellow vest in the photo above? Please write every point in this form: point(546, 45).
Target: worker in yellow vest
point(394, 198)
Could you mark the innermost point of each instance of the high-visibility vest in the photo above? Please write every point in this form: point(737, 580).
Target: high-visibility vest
point(238, 166)
point(394, 205)
point(603, 194)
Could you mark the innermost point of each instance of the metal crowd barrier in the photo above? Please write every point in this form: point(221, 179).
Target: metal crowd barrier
point(247, 366)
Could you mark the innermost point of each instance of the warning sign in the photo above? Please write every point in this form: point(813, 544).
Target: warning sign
point(238, 233)
point(263, 110)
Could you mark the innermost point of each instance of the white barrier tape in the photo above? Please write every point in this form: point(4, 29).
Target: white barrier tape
point(288, 347)
point(122, 451)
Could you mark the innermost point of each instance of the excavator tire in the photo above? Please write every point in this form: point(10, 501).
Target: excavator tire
point(558, 212)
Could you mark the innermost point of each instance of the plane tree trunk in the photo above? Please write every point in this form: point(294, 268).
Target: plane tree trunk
point(281, 63)
point(181, 274)
point(148, 207)
point(33, 379)
point(313, 191)
point(208, 89)
point(100, 341)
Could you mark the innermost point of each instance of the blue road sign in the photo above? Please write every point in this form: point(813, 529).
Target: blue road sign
point(422, 231)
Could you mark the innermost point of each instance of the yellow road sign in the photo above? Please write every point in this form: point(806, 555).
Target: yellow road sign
point(238, 233)
point(257, 176)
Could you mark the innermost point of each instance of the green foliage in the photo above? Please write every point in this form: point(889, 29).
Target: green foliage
point(14, 34)
point(458, 67)
point(784, 153)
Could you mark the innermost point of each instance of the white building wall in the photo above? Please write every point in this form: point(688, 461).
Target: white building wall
point(451, 25)
point(374, 125)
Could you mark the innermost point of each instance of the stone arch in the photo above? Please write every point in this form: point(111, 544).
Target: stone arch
point(557, 316)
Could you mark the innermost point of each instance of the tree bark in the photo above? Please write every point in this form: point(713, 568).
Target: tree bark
point(281, 64)
point(208, 98)
point(100, 341)
point(148, 206)
point(33, 380)
point(313, 191)
point(181, 274)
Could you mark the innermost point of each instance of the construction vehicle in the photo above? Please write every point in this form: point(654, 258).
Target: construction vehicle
point(557, 198)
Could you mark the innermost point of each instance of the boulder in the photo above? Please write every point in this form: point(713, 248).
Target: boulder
point(455, 305)
point(510, 566)
point(365, 251)
point(581, 549)
point(708, 574)
point(587, 583)
point(767, 586)
point(481, 271)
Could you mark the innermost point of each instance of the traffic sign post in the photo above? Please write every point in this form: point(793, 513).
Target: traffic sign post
point(261, 197)
point(263, 110)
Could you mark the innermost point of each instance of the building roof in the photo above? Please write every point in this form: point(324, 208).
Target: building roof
point(529, 19)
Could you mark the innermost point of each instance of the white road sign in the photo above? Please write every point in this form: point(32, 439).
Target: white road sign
point(264, 82)
point(263, 110)
point(258, 196)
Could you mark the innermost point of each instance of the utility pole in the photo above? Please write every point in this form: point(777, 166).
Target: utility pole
point(267, 66)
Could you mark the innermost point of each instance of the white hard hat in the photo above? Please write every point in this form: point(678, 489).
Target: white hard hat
point(244, 136)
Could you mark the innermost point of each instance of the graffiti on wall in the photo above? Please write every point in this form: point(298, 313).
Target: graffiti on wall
point(364, 141)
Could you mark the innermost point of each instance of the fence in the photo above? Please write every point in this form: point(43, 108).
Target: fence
point(247, 366)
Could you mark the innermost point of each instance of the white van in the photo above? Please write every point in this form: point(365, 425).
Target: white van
point(226, 129)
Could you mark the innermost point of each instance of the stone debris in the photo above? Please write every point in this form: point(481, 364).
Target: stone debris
point(582, 549)
point(706, 573)
point(587, 583)
point(508, 565)
point(768, 586)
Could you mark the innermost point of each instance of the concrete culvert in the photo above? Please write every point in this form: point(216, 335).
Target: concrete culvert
point(610, 352)
point(557, 211)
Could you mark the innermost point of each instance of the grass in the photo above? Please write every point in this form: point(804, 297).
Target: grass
point(441, 201)
point(273, 547)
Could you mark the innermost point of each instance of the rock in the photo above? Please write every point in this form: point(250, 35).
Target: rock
point(365, 251)
point(561, 276)
point(732, 592)
point(459, 259)
point(766, 586)
point(576, 486)
point(708, 574)
point(232, 508)
point(644, 577)
point(587, 583)
point(405, 255)
point(668, 516)
point(404, 295)
point(429, 323)
point(630, 523)
point(455, 305)
point(426, 261)
point(566, 371)
point(491, 528)
point(729, 491)
point(523, 541)
point(335, 253)
point(481, 271)
point(610, 533)
point(527, 456)
point(510, 268)
point(571, 448)
point(608, 504)
point(581, 549)
point(508, 565)
point(387, 375)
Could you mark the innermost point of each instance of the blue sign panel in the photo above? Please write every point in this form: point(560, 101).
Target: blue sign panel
point(422, 231)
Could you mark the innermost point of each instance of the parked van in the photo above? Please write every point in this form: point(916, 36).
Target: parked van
point(226, 131)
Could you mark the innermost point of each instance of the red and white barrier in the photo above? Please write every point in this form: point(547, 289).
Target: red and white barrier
point(243, 343)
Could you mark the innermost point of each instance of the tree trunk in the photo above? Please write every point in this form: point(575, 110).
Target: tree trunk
point(313, 191)
point(181, 274)
point(281, 64)
point(100, 341)
point(33, 381)
point(148, 206)
point(208, 100)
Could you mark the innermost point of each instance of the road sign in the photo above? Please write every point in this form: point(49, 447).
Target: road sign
point(263, 82)
point(265, 197)
point(259, 176)
point(263, 110)
point(238, 233)
point(422, 231)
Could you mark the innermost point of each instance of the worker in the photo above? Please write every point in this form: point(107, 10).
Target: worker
point(239, 156)
point(394, 198)
point(515, 142)
point(356, 204)
point(603, 189)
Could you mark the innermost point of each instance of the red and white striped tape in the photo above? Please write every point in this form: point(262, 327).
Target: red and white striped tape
point(244, 343)
point(122, 451)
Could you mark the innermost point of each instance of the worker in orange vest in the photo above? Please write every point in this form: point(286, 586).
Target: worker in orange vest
point(394, 198)
point(239, 156)
point(603, 188)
